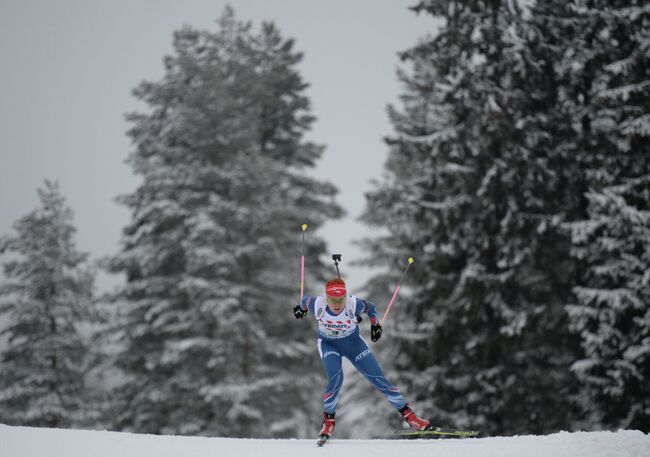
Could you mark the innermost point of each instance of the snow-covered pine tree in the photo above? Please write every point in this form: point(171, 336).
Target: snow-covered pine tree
point(478, 181)
point(612, 315)
point(607, 87)
point(45, 299)
point(211, 254)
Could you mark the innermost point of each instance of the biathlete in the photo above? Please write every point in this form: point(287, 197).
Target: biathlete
point(338, 336)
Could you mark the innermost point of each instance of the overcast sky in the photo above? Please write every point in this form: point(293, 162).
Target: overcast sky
point(68, 67)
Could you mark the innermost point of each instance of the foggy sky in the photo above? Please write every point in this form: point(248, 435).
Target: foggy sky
point(68, 68)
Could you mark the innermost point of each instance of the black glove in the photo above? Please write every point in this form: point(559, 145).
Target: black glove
point(375, 332)
point(359, 318)
point(298, 312)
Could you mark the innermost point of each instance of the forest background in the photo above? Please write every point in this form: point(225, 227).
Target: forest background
point(517, 174)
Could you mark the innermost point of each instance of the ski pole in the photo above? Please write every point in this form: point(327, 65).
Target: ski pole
point(410, 261)
point(302, 263)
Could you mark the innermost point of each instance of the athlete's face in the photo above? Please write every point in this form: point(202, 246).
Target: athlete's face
point(336, 304)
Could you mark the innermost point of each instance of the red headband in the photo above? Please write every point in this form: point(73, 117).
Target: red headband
point(335, 290)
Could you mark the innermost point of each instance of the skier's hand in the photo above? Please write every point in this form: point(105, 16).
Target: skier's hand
point(375, 332)
point(359, 318)
point(298, 312)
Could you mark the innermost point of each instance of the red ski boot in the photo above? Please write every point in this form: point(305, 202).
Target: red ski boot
point(327, 429)
point(413, 420)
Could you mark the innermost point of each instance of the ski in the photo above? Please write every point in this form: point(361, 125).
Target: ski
point(322, 440)
point(437, 433)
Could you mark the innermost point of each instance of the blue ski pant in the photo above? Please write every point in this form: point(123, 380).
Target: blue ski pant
point(355, 349)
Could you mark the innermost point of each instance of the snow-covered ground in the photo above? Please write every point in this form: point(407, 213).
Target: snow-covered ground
point(42, 442)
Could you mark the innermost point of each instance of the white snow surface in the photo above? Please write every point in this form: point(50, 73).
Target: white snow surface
point(44, 442)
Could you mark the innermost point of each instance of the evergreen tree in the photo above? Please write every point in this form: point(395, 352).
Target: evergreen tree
point(46, 298)
point(479, 180)
point(607, 87)
point(210, 344)
point(612, 314)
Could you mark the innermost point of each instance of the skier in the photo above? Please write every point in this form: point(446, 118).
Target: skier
point(338, 316)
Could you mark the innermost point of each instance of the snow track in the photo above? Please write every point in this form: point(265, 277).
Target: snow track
point(41, 442)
